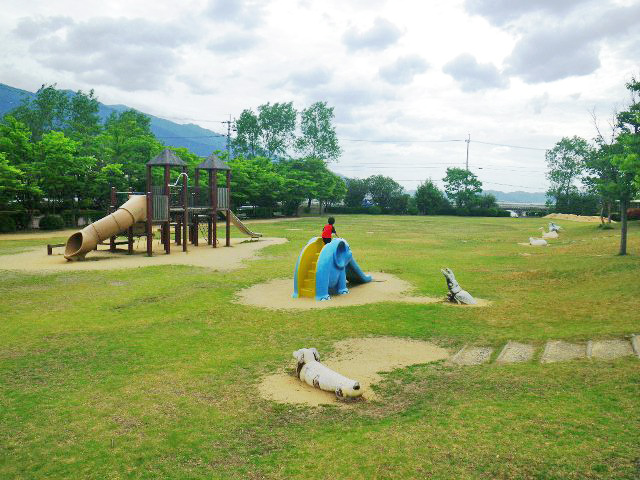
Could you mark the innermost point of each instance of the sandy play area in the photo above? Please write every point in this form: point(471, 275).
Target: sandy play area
point(221, 258)
point(276, 295)
point(574, 218)
point(361, 359)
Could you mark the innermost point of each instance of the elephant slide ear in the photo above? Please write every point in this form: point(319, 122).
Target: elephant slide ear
point(316, 355)
point(299, 355)
point(340, 255)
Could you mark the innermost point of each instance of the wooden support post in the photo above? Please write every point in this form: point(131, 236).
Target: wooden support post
point(178, 230)
point(209, 236)
point(112, 208)
point(167, 224)
point(228, 243)
point(213, 182)
point(49, 249)
point(185, 212)
point(149, 224)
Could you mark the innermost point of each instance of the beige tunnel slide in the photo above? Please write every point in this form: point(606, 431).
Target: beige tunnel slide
point(82, 242)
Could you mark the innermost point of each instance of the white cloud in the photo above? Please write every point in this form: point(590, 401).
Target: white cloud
point(402, 71)
point(473, 76)
point(381, 35)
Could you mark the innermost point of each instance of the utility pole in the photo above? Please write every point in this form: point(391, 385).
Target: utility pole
point(468, 140)
point(228, 122)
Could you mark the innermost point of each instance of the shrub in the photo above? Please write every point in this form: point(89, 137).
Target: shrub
point(51, 222)
point(7, 225)
point(633, 214)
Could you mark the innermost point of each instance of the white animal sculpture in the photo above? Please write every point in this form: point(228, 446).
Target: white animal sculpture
point(554, 228)
point(311, 371)
point(538, 242)
point(549, 234)
point(456, 293)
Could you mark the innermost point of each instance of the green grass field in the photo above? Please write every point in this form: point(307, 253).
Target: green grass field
point(151, 372)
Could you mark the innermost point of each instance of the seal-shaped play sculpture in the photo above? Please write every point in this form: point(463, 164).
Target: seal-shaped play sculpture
point(311, 371)
point(456, 293)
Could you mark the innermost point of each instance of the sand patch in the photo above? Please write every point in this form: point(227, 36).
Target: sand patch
point(221, 258)
point(276, 294)
point(361, 359)
point(575, 218)
point(559, 351)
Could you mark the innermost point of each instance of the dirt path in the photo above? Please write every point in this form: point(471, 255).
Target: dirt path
point(221, 258)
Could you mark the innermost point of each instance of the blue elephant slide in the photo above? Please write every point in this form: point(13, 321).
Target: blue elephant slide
point(323, 270)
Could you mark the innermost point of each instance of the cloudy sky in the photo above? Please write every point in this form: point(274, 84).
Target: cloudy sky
point(409, 79)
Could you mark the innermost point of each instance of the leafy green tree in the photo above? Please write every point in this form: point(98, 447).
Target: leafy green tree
point(566, 163)
point(13, 183)
point(83, 123)
point(248, 134)
point(384, 190)
point(15, 143)
point(318, 138)
point(255, 181)
point(46, 112)
point(462, 187)
point(331, 188)
point(277, 124)
point(627, 158)
point(62, 173)
point(127, 140)
point(357, 190)
point(430, 200)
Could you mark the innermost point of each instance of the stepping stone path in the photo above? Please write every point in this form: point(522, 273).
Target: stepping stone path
point(559, 351)
point(470, 355)
point(554, 351)
point(514, 352)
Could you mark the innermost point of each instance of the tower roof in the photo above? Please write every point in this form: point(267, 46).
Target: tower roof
point(213, 163)
point(167, 157)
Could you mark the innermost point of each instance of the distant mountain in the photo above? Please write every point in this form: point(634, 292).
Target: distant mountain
point(518, 197)
point(198, 140)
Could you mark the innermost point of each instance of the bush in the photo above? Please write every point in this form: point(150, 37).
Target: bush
point(633, 214)
point(7, 224)
point(51, 222)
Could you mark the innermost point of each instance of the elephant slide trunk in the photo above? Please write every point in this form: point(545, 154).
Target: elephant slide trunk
point(80, 243)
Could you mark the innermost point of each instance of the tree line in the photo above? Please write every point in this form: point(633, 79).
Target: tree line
point(602, 174)
point(58, 157)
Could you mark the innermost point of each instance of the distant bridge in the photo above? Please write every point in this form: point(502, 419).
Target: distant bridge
point(522, 208)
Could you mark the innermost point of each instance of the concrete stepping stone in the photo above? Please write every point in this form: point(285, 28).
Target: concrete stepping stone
point(470, 355)
point(609, 349)
point(514, 352)
point(559, 351)
point(635, 343)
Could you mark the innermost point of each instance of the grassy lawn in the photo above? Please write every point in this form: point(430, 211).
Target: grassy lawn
point(151, 372)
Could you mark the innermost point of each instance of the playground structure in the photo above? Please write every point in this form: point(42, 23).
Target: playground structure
point(322, 269)
point(184, 210)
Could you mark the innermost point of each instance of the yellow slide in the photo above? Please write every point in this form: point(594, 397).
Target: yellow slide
point(305, 283)
point(80, 243)
point(241, 226)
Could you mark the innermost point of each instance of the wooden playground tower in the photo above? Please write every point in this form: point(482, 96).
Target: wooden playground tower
point(184, 210)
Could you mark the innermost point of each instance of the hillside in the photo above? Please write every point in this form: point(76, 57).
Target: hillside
point(197, 139)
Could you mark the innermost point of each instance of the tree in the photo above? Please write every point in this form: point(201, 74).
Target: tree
point(248, 133)
point(15, 143)
point(46, 112)
point(61, 172)
point(13, 183)
point(357, 190)
point(429, 198)
point(127, 140)
point(318, 138)
point(566, 164)
point(255, 181)
point(277, 124)
point(384, 190)
point(627, 158)
point(462, 187)
point(83, 123)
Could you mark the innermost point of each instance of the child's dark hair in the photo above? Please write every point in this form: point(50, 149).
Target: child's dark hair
point(331, 220)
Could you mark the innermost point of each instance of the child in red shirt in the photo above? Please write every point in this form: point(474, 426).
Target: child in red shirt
point(328, 230)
